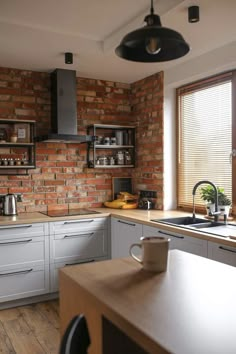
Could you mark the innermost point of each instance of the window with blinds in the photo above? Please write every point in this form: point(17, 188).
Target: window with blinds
point(204, 137)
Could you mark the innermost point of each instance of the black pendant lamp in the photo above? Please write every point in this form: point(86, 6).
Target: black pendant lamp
point(152, 43)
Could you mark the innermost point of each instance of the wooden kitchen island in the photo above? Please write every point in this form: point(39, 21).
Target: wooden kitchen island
point(190, 309)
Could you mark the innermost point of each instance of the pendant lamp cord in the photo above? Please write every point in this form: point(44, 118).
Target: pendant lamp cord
point(152, 9)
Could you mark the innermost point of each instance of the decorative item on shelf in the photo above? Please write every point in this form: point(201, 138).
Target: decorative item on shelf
point(113, 140)
point(127, 158)
point(3, 135)
point(18, 162)
point(119, 137)
point(106, 141)
point(120, 160)
point(24, 160)
point(13, 138)
point(102, 160)
point(98, 140)
point(125, 138)
point(112, 160)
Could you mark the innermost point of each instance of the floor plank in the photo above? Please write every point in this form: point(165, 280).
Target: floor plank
point(31, 329)
point(5, 343)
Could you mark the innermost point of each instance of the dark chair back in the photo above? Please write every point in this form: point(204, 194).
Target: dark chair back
point(76, 339)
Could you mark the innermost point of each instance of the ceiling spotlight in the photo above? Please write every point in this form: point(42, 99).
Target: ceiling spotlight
point(68, 58)
point(152, 43)
point(193, 14)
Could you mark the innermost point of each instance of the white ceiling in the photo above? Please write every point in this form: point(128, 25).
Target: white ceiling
point(34, 35)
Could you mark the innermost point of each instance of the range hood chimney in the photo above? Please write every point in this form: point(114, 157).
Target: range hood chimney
point(63, 109)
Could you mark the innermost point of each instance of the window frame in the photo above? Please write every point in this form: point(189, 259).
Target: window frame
point(198, 85)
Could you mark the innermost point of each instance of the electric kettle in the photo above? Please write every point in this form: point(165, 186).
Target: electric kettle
point(10, 204)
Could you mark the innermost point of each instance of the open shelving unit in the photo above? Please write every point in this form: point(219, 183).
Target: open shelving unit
point(16, 158)
point(95, 151)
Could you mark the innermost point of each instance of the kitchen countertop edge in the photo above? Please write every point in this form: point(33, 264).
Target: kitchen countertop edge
point(134, 215)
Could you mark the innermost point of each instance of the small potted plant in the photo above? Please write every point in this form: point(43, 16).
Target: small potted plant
point(224, 204)
point(208, 195)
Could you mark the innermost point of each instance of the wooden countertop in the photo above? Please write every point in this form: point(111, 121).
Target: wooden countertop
point(188, 309)
point(135, 215)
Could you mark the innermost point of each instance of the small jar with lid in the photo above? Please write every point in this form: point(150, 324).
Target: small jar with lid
point(120, 158)
point(5, 161)
point(127, 158)
point(103, 160)
point(17, 162)
point(11, 162)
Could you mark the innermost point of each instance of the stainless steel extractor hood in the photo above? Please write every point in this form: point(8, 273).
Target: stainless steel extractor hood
point(63, 109)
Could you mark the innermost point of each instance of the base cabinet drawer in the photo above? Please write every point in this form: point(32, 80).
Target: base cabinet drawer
point(221, 253)
point(24, 230)
point(27, 281)
point(23, 250)
point(54, 271)
point(79, 245)
point(80, 225)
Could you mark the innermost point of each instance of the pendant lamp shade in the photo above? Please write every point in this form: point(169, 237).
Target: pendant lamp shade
point(152, 43)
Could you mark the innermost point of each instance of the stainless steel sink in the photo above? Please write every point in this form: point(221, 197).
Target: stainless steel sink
point(185, 221)
point(206, 226)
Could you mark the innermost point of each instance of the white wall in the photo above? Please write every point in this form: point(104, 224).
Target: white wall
point(217, 61)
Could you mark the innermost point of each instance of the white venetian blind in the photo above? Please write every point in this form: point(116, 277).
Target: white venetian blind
point(204, 137)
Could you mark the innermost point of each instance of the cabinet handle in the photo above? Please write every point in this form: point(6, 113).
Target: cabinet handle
point(79, 235)
point(90, 261)
point(78, 221)
point(126, 223)
point(15, 273)
point(226, 249)
point(166, 233)
point(15, 227)
point(14, 242)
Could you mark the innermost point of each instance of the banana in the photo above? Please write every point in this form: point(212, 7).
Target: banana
point(116, 204)
point(130, 206)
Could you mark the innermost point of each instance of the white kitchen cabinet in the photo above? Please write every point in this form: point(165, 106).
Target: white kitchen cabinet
point(181, 242)
point(123, 234)
point(24, 261)
point(222, 253)
point(77, 241)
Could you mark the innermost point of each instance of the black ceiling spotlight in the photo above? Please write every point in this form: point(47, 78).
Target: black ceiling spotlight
point(152, 43)
point(68, 58)
point(193, 14)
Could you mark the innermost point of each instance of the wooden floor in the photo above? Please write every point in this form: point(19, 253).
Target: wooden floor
point(31, 329)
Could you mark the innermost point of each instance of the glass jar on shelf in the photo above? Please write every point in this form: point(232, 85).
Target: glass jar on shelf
point(127, 158)
point(120, 158)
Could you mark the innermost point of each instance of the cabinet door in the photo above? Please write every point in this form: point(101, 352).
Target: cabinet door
point(222, 253)
point(181, 242)
point(123, 234)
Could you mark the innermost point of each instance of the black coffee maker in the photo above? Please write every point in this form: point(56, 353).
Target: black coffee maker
point(146, 200)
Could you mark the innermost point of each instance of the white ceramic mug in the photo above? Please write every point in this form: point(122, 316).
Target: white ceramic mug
point(154, 253)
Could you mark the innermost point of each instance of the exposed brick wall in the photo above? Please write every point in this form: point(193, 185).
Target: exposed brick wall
point(61, 178)
point(147, 107)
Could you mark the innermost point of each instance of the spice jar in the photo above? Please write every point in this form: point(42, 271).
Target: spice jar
point(127, 158)
point(103, 160)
